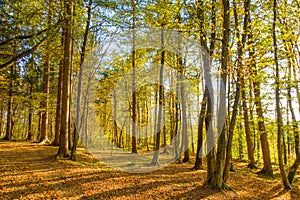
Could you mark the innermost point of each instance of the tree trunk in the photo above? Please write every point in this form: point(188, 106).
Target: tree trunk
point(8, 134)
point(160, 99)
point(293, 169)
point(78, 100)
point(1, 117)
point(217, 178)
point(267, 168)
point(30, 115)
point(46, 84)
point(250, 148)
point(67, 65)
point(134, 115)
point(239, 82)
point(58, 102)
point(198, 162)
point(185, 143)
point(285, 181)
point(206, 103)
point(290, 104)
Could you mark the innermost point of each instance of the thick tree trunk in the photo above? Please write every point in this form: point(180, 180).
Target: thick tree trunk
point(78, 100)
point(67, 65)
point(46, 84)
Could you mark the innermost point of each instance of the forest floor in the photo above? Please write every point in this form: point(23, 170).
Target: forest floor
point(30, 171)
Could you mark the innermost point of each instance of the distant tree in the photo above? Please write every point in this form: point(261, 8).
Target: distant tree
point(267, 168)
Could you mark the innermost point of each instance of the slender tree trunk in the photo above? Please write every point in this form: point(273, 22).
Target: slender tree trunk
point(147, 122)
point(164, 126)
point(184, 114)
point(217, 178)
point(198, 162)
point(134, 114)
point(250, 148)
point(243, 93)
point(172, 114)
point(58, 102)
point(240, 80)
point(206, 103)
point(30, 115)
point(160, 99)
point(1, 117)
point(240, 137)
point(191, 129)
point(9, 133)
point(285, 181)
point(115, 128)
point(290, 105)
point(267, 168)
point(293, 169)
point(176, 125)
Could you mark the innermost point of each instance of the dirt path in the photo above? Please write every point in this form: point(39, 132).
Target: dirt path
point(30, 171)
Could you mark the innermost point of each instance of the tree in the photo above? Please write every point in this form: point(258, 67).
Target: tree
point(160, 100)
point(134, 104)
point(241, 41)
point(67, 65)
point(78, 100)
point(46, 84)
point(217, 175)
point(205, 110)
point(9, 129)
point(285, 181)
point(267, 168)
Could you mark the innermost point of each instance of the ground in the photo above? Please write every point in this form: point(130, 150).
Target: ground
point(31, 171)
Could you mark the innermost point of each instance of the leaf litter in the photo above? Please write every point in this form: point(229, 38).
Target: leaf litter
point(31, 171)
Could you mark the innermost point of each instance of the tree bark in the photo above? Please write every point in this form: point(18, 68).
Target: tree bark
point(198, 162)
point(293, 170)
point(8, 134)
point(30, 115)
point(217, 178)
point(160, 100)
point(46, 85)
point(267, 168)
point(285, 181)
point(78, 100)
point(58, 101)
point(239, 82)
point(185, 139)
point(67, 65)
